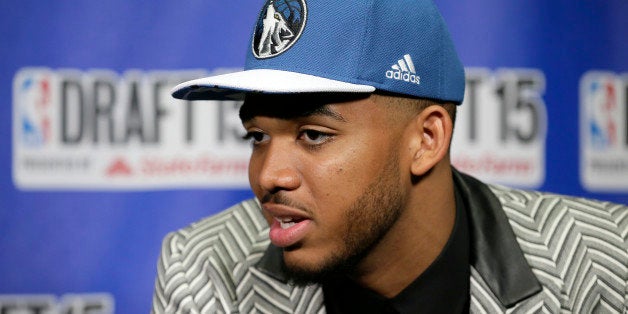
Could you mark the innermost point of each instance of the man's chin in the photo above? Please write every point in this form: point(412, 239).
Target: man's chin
point(303, 274)
point(305, 277)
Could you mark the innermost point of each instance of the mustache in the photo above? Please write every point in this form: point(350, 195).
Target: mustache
point(281, 199)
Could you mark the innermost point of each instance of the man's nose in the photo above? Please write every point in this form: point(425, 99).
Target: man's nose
point(279, 169)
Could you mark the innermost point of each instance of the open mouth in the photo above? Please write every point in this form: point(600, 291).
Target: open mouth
point(289, 225)
point(287, 231)
point(286, 223)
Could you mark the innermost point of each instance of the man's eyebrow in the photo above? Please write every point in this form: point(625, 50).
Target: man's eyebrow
point(250, 111)
point(326, 111)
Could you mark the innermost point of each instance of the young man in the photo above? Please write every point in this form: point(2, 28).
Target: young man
point(350, 114)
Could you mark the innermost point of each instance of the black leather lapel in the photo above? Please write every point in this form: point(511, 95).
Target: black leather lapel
point(495, 253)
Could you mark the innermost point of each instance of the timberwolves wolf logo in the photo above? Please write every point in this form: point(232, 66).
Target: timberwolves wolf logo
point(279, 25)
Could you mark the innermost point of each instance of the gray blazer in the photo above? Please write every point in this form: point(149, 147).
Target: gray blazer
point(531, 252)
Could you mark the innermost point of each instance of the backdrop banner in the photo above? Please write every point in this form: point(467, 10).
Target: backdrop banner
point(100, 163)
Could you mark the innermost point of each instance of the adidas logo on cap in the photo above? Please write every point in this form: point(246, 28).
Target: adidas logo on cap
point(404, 71)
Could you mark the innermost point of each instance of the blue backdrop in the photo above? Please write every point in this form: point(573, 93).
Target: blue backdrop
point(60, 242)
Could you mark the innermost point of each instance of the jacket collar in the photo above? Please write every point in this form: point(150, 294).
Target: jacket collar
point(494, 252)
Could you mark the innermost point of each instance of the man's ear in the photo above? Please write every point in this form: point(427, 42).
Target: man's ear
point(434, 129)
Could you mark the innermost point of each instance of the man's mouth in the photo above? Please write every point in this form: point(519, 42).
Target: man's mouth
point(286, 223)
point(288, 229)
point(286, 232)
point(289, 226)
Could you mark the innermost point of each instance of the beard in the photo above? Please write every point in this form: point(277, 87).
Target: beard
point(374, 212)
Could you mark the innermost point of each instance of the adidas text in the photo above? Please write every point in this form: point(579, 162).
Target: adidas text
point(403, 76)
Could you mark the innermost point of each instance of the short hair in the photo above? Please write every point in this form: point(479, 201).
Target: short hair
point(416, 105)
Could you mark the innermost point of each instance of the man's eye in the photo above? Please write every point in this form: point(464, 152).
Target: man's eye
point(255, 137)
point(314, 137)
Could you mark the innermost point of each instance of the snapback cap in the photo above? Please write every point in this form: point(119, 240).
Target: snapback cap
point(349, 46)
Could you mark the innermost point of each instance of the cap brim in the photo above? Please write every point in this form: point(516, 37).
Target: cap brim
point(236, 85)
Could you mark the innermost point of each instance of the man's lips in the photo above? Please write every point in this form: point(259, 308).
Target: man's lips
point(289, 225)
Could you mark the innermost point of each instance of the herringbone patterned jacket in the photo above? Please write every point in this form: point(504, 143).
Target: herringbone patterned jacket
point(531, 252)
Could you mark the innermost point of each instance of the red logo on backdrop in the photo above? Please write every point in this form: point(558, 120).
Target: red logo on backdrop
point(119, 167)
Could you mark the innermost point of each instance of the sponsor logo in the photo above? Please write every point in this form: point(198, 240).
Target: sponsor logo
point(97, 129)
point(604, 131)
point(278, 27)
point(404, 70)
point(501, 127)
point(119, 167)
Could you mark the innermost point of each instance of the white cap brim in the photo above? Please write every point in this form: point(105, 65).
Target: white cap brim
point(236, 85)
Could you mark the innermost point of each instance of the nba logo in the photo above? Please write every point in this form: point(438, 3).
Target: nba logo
point(33, 107)
point(600, 111)
point(604, 132)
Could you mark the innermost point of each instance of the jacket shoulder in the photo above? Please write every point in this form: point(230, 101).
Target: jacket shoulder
point(200, 265)
point(576, 247)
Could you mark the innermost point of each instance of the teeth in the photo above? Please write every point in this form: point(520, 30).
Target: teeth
point(286, 223)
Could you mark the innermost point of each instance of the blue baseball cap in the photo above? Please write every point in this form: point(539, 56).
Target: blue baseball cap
point(350, 46)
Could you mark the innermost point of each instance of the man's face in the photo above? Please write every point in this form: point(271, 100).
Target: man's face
point(328, 176)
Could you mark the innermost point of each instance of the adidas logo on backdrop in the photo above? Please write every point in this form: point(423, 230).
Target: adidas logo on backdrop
point(404, 71)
